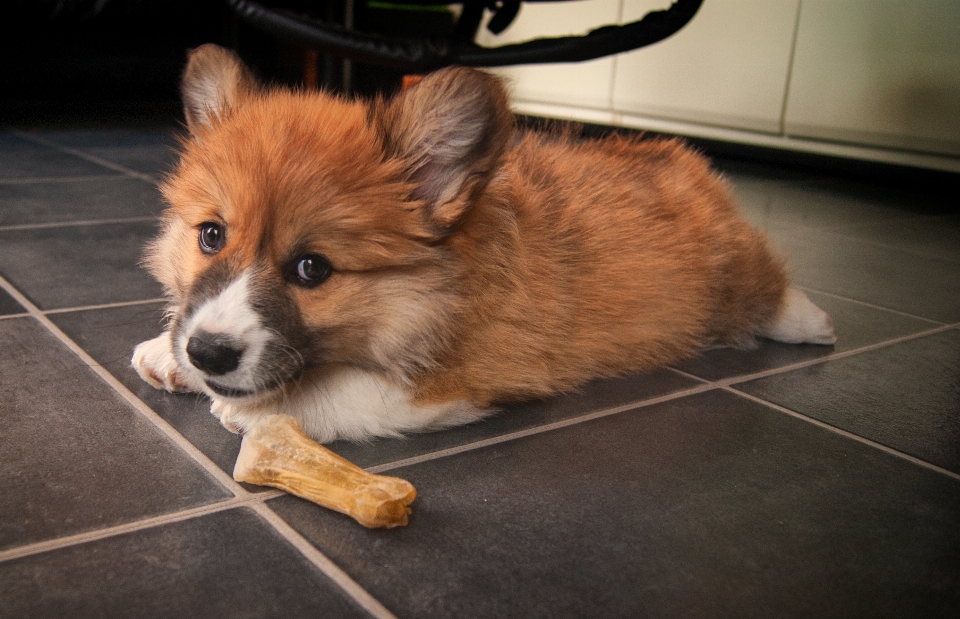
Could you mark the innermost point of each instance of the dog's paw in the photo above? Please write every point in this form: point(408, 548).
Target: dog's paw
point(154, 362)
point(801, 322)
point(237, 419)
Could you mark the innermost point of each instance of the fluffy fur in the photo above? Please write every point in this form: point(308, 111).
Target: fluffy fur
point(468, 267)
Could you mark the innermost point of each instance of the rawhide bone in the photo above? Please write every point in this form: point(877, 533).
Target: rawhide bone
point(276, 452)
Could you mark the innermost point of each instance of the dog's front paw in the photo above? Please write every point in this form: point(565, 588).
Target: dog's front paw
point(154, 362)
point(237, 419)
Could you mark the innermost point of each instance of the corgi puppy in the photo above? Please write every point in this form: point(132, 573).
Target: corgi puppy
point(376, 268)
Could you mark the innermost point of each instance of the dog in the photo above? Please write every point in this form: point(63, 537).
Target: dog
point(374, 268)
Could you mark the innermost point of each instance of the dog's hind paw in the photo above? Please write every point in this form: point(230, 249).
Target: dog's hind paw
point(801, 322)
point(154, 362)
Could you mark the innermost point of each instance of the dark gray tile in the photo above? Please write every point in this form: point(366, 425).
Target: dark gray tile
point(857, 325)
point(110, 335)
point(933, 237)
point(148, 151)
point(228, 564)
point(916, 284)
point(73, 456)
point(905, 396)
point(8, 306)
point(705, 506)
point(79, 265)
point(594, 396)
point(96, 198)
point(20, 158)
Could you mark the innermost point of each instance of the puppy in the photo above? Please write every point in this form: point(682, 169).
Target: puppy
point(405, 265)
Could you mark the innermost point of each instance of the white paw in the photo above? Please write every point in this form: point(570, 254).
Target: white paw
point(237, 419)
point(154, 362)
point(801, 322)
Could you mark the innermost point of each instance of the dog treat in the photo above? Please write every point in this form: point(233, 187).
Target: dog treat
point(276, 452)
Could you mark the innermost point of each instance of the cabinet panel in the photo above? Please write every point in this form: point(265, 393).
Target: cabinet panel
point(727, 67)
point(881, 72)
point(582, 84)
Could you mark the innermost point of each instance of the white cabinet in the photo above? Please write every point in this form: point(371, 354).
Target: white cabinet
point(879, 72)
point(871, 79)
point(585, 84)
point(727, 67)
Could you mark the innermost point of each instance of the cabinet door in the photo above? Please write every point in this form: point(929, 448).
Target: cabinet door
point(880, 72)
point(585, 84)
point(727, 67)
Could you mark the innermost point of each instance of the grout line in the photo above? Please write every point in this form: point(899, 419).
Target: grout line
point(845, 433)
point(241, 496)
point(742, 378)
point(725, 383)
point(31, 180)
point(20, 315)
point(865, 304)
point(138, 525)
point(159, 422)
point(84, 308)
point(572, 421)
point(323, 563)
point(84, 155)
point(78, 222)
point(733, 380)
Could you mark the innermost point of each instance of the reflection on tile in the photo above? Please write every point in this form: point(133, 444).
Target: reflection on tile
point(73, 456)
point(79, 265)
point(856, 325)
point(94, 198)
point(777, 198)
point(705, 506)
point(147, 151)
point(21, 158)
point(919, 285)
point(932, 237)
point(782, 206)
point(594, 396)
point(225, 565)
point(905, 396)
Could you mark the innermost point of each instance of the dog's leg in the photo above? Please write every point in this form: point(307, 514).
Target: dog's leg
point(347, 403)
point(154, 362)
point(801, 322)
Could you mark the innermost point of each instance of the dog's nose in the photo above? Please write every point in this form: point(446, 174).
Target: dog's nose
point(213, 355)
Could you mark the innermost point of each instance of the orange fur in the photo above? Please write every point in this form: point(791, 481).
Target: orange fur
point(468, 265)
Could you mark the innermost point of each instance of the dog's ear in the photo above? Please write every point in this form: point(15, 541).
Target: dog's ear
point(450, 131)
point(214, 82)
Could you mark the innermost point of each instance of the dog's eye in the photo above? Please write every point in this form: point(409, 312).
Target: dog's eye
point(211, 237)
point(310, 270)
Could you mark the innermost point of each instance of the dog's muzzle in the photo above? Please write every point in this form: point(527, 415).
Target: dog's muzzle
point(213, 354)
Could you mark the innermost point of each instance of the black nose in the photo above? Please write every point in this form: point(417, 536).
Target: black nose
point(213, 354)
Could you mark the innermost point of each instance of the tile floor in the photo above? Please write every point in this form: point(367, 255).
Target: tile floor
point(790, 481)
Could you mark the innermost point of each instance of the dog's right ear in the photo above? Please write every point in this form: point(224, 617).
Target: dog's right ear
point(214, 83)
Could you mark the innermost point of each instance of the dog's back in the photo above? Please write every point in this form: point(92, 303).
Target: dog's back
point(600, 257)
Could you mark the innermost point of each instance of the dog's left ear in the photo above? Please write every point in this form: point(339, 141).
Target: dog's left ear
point(450, 131)
point(213, 84)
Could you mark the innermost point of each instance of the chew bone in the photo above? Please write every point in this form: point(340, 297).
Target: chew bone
point(276, 452)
